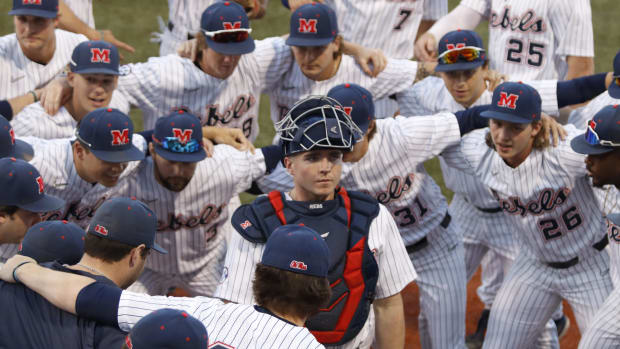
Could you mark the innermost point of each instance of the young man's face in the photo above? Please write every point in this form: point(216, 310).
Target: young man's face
point(513, 141)
point(604, 168)
point(465, 86)
point(91, 91)
point(13, 227)
point(95, 170)
point(316, 174)
point(218, 65)
point(316, 62)
point(34, 33)
point(172, 175)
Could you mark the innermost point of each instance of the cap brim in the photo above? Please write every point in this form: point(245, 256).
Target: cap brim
point(97, 71)
point(490, 114)
point(46, 203)
point(308, 42)
point(232, 48)
point(159, 249)
point(33, 12)
point(459, 66)
point(614, 218)
point(614, 90)
point(131, 154)
point(180, 157)
point(22, 150)
point(581, 146)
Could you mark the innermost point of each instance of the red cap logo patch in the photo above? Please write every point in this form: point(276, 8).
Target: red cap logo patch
point(31, 2)
point(298, 265)
point(99, 55)
point(307, 25)
point(453, 46)
point(40, 184)
point(182, 135)
point(246, 225)
point(101, 230)
point(231, 26)
point(120, 137)
point(12, 134)
point(507, 100)
point(348, 110)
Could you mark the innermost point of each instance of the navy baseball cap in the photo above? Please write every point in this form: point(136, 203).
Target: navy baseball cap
point(126, 220)
point(298, 249)
point(22, 186)
point(514, 102)
point(9, 146)
point(168, 328)
point(95, 57)
point(226, 28)
point(54, 241)
point(357, 103)
point(313, 24)
point(178, 137)
point(460, 50)
point(602, 133)
point(37, 8)
point(614, 88)
point(107, 132)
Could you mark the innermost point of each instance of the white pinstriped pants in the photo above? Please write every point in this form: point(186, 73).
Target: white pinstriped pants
point(604, 330)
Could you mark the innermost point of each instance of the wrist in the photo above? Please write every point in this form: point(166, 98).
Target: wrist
point(35, 95)
point(18, 268)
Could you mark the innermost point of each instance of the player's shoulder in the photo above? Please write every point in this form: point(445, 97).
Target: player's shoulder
point(252, 220)
point(31, 111)
point(70, 38)
point(8, 43)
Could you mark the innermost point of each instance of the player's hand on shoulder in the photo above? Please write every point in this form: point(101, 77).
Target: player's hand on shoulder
point(17, 261)
point(555, 130)
point(426, 47)
point(208, 146)
point(366, 57)
point(226, 135)
point(55, 94)
point(188, 49)
point(493, 78)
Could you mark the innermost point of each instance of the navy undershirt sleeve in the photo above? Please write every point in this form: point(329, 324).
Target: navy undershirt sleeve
point(470, 119)
point(273, 155)
point(99, 301)
point(6, 110)
point(285, 4)
point(580, 90)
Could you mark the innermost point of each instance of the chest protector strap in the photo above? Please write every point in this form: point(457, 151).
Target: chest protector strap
point(353, 272)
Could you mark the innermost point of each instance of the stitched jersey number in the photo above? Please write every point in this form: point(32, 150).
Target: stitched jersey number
point(553, 228)
point(407, 216)
point(534, 55)
point(247, 128)
point(404, 13)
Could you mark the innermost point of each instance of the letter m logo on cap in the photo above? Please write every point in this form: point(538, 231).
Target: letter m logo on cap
point(231, 26)
point(100, 55)
point(453, 46)
point(31, 2)
point(120, 137)
point(507, 100)
point(307, 25)
point(40, 184)
point(182, 135)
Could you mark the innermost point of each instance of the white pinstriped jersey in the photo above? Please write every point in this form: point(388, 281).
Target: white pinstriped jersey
point(397, 76)
point(166, 83)
point(389, 25)
point(34, 121)
point(83, 9)
point(431, 96)
point(190, 221)
point(548, 197)
point(395, 269)
point(580, 116)
point(185, 14)
point(238, 326)
point(18, 74)
point(530, 39)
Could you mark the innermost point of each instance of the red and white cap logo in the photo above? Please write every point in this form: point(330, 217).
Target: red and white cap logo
point(298, 265)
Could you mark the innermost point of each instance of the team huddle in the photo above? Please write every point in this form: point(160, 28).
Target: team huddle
point(99, 221)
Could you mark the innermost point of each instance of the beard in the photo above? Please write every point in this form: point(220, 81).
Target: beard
point(175, 183)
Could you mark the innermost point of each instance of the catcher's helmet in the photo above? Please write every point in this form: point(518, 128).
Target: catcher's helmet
point(317, 122)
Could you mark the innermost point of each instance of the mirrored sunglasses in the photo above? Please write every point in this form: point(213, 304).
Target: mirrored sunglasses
point(229, 35)
point(593, 138)
point(174, 145)
point(468, 53)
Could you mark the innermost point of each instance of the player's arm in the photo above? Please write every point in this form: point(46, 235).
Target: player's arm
point(67, 20)
point(366, 57)
point(389, 322)
point(13, 106)
point(579, 66)
point(433, 11)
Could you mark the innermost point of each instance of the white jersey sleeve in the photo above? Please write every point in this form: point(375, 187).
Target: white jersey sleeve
point(272, 59)
point(423, 98)
point(83, 9)
point(435, 9)
point(395, 268)
point(34, 121)
point(143, 85)
point(571, 22)
point(580, 116)
point(245, 167)
point(469, 154)
point(483, 7)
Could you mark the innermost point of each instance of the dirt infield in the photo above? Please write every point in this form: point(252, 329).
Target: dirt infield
point(474, 308)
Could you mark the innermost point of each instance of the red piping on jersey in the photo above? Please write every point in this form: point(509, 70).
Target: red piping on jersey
point(276, 201)
point(355, 281)
point(347, 204)
point(335, 303)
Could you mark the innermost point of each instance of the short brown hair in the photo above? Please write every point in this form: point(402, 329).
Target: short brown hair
point(541, 141)
point(290, 293)
point(8, 209)
point(107, 250)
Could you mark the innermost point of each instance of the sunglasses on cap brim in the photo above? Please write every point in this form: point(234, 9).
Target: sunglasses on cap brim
point(174, 145)
point(229, 35)
point(467, 53)
point(593, 138)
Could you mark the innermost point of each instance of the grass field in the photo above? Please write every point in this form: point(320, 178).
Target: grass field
point(134, 21)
